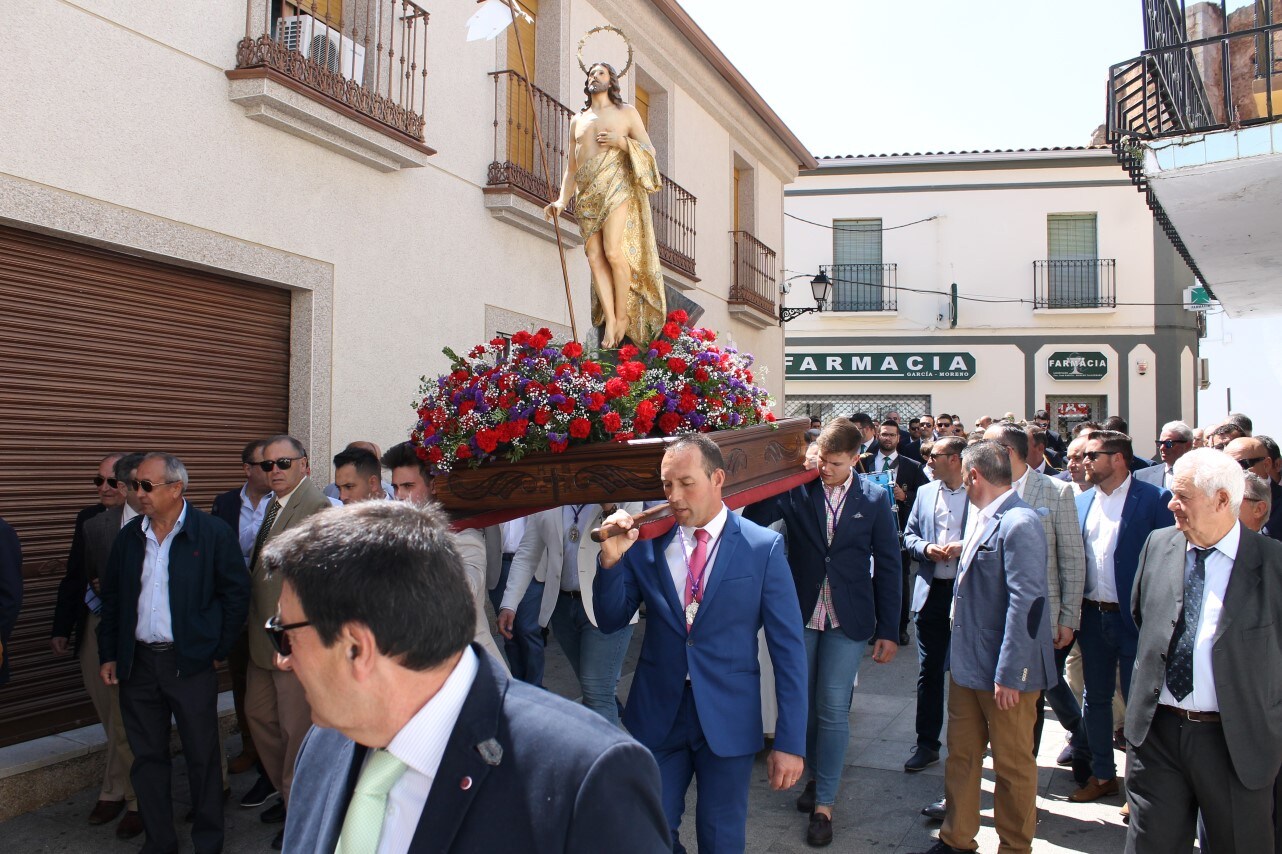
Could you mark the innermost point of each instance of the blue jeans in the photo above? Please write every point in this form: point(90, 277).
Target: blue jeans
point(1062, 702)
point(525, 649)
point(934, 631)
point(832, 663)
point(595, 656)
point(1106, 644)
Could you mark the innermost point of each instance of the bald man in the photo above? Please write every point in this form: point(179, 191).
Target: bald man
point(1253, 456)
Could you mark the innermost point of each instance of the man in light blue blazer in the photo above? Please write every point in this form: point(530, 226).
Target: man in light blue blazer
point(709, 585)
point(1002, 658)
point(423, 742)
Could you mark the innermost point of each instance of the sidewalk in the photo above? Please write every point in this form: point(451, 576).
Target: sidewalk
point(877, 812)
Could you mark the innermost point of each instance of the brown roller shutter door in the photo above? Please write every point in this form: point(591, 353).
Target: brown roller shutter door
point(101, 352)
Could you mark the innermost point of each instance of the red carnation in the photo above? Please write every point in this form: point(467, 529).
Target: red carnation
point(671, 330)
point(487, 440)
point(627, 353)
point(623, 437)
point(558, 447)
point(616, 387)
point(596, 401)
point(462, 452)
point(521, 338)
point(573, 350)
point(466, 406)
point(677, 366)
point(669, 422)
point(580, 428)
point(770, 416)
point(611, 421)
point(566, 407)
point(663, 347)
point(541, 416)
point(539, 341)
point(678, 316)
point(591, 368)
point(630, 371)
point(701, 375)
point(645, 410)
point(434, 454)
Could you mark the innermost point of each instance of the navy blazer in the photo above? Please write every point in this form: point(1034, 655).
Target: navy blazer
point(920, 532)
point(10, 590)
point(227, 507)
point(1144, 512)
point(208, 593)
point(1001, 622)
point(523, 771)
point(70, 611)
point(866, 538)
point(749, 587)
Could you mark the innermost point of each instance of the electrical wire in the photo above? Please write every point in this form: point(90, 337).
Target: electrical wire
point(860, 229)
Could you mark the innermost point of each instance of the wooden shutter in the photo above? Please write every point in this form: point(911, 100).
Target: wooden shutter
point(103, 352)
point(643, 105)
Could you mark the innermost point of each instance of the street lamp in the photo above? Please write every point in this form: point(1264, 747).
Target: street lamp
point(820, 288)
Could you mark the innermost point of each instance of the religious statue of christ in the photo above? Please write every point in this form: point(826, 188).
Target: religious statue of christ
point(612, 171)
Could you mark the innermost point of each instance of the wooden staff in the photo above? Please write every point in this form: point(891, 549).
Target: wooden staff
point(605, 532)
point(543, 155)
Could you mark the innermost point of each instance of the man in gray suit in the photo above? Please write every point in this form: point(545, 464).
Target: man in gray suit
point(422, 742)
point(1202, 721)
point(1002, 658)
point(1175, 440)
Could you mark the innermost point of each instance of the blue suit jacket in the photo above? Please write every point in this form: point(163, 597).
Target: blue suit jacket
point(542, 775)
point(1001, 625)
point(1143, 513)
point(227, 507)
point(920, 532)
point(867, 537)
point(750, 586)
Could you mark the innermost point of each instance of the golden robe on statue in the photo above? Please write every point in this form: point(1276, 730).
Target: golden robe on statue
point(612, 178)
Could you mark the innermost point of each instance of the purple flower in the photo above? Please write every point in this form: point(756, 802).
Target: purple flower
point(556, 399)
point(735, 419)
point(696, 420)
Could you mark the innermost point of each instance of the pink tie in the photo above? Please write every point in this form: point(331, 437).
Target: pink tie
point(694, 578)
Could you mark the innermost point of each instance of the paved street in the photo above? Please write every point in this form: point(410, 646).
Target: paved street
point(877, 811)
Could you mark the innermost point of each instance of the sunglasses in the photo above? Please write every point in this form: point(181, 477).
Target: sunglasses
point(99, 480)
point(1247, 463)
point(1095, 455)
point(284, 463)
point(1167, 443)
point(277, 633)
point(937, 456)
point(148, 486)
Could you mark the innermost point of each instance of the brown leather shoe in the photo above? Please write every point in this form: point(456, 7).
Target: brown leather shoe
point(1094, 789)
point(105, 811)
point(130, 826)
point(242, 763)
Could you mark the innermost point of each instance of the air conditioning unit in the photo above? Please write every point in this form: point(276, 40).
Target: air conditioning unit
point(1203, 374)
point(323, 44)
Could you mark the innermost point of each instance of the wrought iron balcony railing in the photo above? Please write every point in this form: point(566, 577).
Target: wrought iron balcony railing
point(863, 287)
point(754, 281)
point(370, 61)
point(1086, 283)
point(519, 164)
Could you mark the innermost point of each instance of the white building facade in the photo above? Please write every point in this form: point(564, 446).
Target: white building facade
point(1068, 297)
point(209, 237)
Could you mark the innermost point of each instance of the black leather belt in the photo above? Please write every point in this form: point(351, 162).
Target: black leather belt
point(573, 594)
point(1103, 607)
point(1195, 717)
point(156, 647)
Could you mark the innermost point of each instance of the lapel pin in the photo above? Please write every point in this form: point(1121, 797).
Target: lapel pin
point(465, 783)
point(491, 751)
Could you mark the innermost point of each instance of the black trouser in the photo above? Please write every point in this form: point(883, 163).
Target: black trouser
point(906, 592)
point(934, 631)
point(1183, 767)
point(152, 693)
point(1065, 707)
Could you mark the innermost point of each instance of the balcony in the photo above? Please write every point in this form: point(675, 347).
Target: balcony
point(754, 284)
point(353, 80)
point(1074, 285)
point(863, 287)
point(518, 185)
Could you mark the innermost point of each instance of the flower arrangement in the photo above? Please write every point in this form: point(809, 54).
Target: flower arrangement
point(505, 400)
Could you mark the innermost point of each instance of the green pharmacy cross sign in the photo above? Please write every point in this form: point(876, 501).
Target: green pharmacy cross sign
point(879, 366)
point(1077, 366)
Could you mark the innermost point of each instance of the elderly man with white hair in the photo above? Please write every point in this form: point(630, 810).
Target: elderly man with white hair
point(1257, 502)
point(1202, 721)
point(1175, 440)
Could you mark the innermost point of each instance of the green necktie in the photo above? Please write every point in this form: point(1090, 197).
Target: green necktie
point(363, 824)
point(885, 463)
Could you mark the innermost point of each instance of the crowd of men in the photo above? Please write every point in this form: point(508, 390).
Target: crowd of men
point(1138, 598)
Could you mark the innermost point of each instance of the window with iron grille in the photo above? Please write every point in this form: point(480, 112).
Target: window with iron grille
point(833, 406)
point(857, 272)
point(1072, 250)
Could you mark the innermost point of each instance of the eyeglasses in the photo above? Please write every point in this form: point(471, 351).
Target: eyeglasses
point(99, 480)
point(1167, 443)
point(148, 486)
point(284, 463)
point(1094, 455)
point(1247, 463)
point(277, 633)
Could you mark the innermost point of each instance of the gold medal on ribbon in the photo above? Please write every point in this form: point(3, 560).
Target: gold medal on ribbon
point(691, 610)
point(574, 533)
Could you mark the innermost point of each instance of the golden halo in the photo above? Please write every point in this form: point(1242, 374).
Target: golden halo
point(611, 29)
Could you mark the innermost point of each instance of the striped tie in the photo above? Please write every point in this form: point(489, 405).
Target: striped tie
point(273, 507)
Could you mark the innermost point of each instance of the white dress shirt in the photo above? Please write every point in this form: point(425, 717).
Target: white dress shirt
point(678, 552)
point(127, 514)
point(1019, 485)
point(1103, 524)
point(879, 460)
point(950, 507)
point(155, 621)
point(420, 745)
point(582, 516)
point(251, 519)
point(1218, 567)
point(512, 532)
